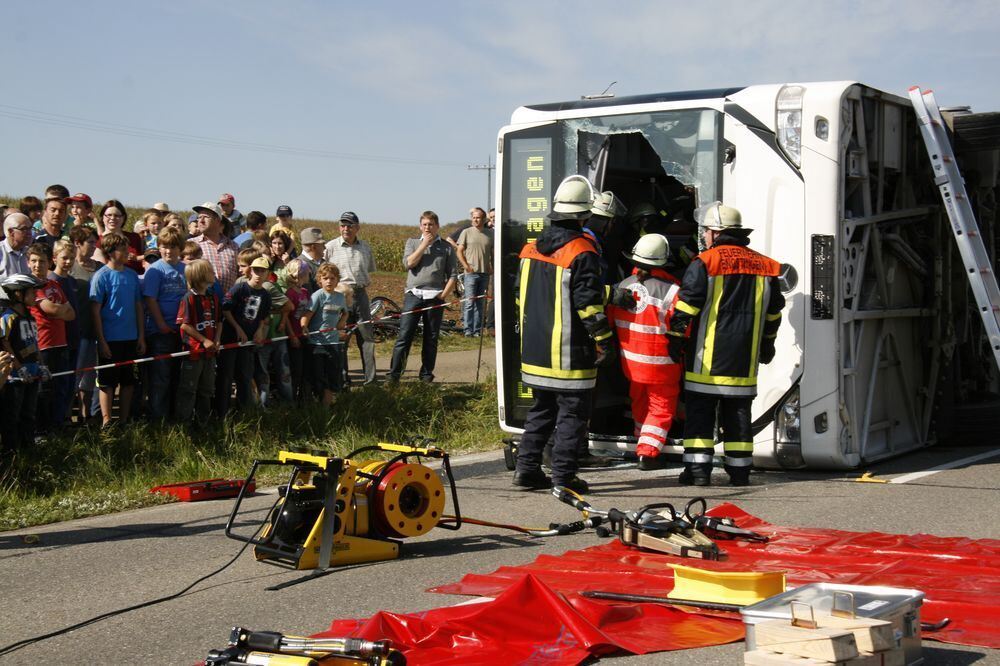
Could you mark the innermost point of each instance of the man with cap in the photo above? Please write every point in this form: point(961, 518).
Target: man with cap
point(356, 262)
point(565, 336)
point(219, 250)
point(236, 220)
point(641, 305)
point(14, 246)
point(728, 312)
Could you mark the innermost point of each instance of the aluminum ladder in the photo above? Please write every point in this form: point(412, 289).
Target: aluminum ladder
point(978, 268)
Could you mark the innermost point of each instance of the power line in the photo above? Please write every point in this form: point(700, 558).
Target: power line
point(169, 136)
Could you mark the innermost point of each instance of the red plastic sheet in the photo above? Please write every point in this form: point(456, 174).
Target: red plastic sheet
point(960, 577)
point(529, 623)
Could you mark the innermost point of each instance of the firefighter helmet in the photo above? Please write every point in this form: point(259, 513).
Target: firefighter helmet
point(718, 217)
point(606, 204)
point(573, 199)
point(641, 210)
point(651, 250)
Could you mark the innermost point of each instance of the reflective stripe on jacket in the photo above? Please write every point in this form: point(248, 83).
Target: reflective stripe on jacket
point(642, 331)
point(561, 300)
point(729, 303)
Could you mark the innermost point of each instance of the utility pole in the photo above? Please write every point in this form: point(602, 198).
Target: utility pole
point(488, 168)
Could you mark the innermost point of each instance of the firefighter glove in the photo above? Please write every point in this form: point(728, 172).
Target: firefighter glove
point(623, 298)
point(675, 348)
point(767, 352)
point(606, 352)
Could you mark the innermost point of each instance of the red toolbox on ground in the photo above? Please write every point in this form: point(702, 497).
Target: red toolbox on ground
point(195, 491)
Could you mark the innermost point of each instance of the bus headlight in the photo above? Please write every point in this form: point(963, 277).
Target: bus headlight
point(788, 432)
point(788, 120)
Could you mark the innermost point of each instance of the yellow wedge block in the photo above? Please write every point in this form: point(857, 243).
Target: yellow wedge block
point(729, 587)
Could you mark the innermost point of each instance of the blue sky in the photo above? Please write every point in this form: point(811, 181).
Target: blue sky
point(379, 107)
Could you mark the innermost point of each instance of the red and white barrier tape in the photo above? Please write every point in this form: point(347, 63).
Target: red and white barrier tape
point(250, 343)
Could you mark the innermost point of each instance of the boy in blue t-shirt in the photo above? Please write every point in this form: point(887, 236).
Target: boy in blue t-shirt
point(247, 309)
point(163, 289)
point(118, 318)
point(326, 319)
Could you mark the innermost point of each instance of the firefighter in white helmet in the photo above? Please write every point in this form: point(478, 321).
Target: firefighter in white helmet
point(640, 311)
point(564, 337)
point(728, 313)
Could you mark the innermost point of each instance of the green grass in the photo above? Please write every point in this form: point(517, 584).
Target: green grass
point(91, 472)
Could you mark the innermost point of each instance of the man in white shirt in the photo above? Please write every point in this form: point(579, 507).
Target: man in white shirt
point(13, 260)
point(356, 262)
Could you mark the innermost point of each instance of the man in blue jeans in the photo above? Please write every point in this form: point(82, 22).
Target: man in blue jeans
point(430, 279)
point(475, 252)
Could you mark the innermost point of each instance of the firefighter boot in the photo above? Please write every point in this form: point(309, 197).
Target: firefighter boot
point(650, 458)
point(696, 474)
point(576, 484)
point(738, 476)
point(532, 480)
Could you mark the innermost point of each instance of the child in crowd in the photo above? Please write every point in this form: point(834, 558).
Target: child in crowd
point(274, 355)
point(81, 210)
point(163, 288)
point(152, 222)
point(327, 330)
point(190, 251)
point(177, 222)
point(200, 319)
point(51, 311)
point(19, 338)
point(84, 239)
point(246, 309)
point(64, 257)
point(296, 273)
point(116, 306)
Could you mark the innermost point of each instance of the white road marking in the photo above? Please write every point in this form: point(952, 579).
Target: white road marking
point(906, 478)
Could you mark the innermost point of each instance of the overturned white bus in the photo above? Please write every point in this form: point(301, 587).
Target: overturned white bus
point(881, 351)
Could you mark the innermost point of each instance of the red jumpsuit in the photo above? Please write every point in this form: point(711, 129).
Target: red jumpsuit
point(642, 335)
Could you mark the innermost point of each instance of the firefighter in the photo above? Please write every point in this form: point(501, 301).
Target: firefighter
point(564, 337)
point(728, 313)
point(641, 307)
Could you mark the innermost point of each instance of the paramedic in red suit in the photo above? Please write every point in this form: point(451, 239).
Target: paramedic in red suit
point(640, 310)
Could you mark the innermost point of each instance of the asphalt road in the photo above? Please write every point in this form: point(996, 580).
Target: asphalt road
point(85, 567)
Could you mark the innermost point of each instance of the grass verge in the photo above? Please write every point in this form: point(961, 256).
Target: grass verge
point(91, 472)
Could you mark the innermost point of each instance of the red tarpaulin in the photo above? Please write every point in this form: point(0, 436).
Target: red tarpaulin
point(537, 613)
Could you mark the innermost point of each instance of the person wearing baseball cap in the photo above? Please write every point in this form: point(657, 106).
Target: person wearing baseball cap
point(284, 223)
point(356, 262)
point(81, 210)
point(235, 217)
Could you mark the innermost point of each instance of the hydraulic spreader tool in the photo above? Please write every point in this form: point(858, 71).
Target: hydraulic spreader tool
point(372, 504)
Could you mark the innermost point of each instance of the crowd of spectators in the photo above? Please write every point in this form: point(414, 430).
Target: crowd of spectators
point(81, 290)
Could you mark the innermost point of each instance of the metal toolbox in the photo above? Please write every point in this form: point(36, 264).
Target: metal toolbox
point(897, 605)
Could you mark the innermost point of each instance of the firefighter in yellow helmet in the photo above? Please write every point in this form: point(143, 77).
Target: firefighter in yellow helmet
point(728, 312)
point(564, 337)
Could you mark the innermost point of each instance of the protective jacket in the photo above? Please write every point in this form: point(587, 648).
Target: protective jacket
point(730, 308)
point(560, 297)
point(642, 330)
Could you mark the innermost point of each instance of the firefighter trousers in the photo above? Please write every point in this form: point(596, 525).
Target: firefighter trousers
point(699, 433)
point(567, 414)
point(653, 408)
